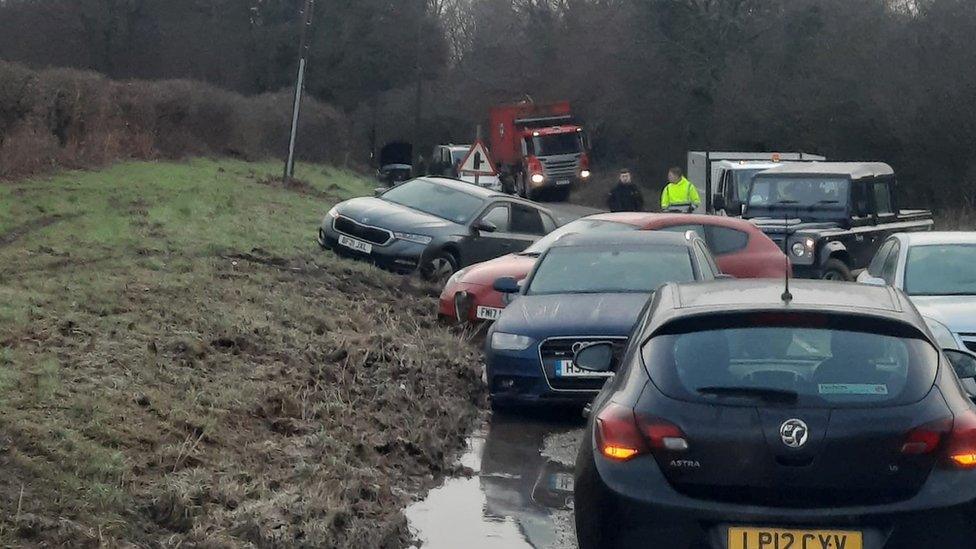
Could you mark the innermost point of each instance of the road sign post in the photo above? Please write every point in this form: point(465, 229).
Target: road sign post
point(477, 163)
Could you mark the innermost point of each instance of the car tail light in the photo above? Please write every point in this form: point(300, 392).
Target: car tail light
point(663, 435)
point(622, 435)
point(925, 439)
point(617, 435)
point(961, 448)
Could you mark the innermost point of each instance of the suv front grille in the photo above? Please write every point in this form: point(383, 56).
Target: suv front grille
point(553, 350)
point(349, 227)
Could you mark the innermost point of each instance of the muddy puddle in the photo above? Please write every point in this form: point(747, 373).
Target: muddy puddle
point(520, 495)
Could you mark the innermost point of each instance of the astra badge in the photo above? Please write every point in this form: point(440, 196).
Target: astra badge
point(794, 433)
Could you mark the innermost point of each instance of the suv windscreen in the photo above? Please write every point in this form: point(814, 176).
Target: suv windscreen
point(560, 143)
point(578, 226)
point(742, 179)
point(945, 269)
point(437, 200)
point(822, 361)
point(616, 269)
point(799, 192)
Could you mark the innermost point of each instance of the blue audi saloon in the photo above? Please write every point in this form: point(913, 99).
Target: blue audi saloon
point(585, 289)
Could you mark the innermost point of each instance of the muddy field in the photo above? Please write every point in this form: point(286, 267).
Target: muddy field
point(180, 365)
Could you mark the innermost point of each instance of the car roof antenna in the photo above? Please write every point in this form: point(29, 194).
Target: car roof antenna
point(787, 297)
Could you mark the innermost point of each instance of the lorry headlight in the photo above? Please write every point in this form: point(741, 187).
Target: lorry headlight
point(585, 174)
point(500, 341)
point(415, 238)
point(538, 178)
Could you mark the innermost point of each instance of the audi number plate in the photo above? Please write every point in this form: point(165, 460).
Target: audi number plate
point(566, 368)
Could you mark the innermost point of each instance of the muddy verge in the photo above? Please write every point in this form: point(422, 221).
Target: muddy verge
point(9, 237)
point(241, 400)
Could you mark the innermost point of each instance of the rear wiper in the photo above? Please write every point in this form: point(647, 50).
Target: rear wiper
point(770, 395)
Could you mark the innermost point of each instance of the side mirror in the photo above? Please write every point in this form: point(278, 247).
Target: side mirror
point(597, 357)
point(963, 362)
point(485, 227)
point(506, 285)
point(874, 281)
point(718, 202)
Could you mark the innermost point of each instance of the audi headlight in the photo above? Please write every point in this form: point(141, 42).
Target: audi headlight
point(943, 335)
point(585, 174)
point(334, 212)
point(415, 238)
point(538, 178)
point(501, 341)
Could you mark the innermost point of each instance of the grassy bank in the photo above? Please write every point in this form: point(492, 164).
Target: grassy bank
point(180, 364)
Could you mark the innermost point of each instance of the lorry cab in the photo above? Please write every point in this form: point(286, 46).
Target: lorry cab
point(830, 217)
point(539, 147)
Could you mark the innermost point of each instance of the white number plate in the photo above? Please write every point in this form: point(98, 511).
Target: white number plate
point(561, 481)
point(488, 313)
point(566, 368)
point(563, 182)
point(358, 245)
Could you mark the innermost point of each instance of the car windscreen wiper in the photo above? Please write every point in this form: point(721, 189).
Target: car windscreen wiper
point(530, 254)
point(761, 393)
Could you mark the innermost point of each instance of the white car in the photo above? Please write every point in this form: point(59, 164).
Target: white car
point(938, 272)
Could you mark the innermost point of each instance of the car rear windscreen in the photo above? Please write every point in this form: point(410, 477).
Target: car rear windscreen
point(819, 361)
point(611, 269)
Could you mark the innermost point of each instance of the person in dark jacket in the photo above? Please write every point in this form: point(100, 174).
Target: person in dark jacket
point(625, 196)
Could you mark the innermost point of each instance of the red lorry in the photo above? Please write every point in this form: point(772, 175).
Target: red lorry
point(539, 147)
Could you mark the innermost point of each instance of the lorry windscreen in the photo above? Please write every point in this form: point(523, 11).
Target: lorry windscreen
point(816, 192)
point(560, 143)
point(742, 179)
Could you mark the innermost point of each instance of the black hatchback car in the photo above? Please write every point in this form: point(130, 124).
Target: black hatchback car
point(742, 419)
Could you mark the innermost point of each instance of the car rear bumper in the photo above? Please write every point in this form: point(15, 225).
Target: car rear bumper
point(398, 256)
point(518, 379)
point(636, 501)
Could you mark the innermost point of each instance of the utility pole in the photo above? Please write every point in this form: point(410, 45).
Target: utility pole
point(418, 67)
point(299, 86)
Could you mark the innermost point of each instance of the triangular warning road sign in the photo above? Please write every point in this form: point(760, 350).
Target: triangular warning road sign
point(478, 161)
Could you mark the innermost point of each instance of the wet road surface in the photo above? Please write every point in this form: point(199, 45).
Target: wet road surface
point(521, 493)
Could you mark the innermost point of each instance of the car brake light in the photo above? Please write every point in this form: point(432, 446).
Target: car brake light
point(663, 435)
point(617, 435)
point(925, 439)
point(962, 441)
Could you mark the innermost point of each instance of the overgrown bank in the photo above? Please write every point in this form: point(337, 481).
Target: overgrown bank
point(179, 364)
point(77, 119)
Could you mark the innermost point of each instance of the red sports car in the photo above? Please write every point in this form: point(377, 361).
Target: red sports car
point(740, 249)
